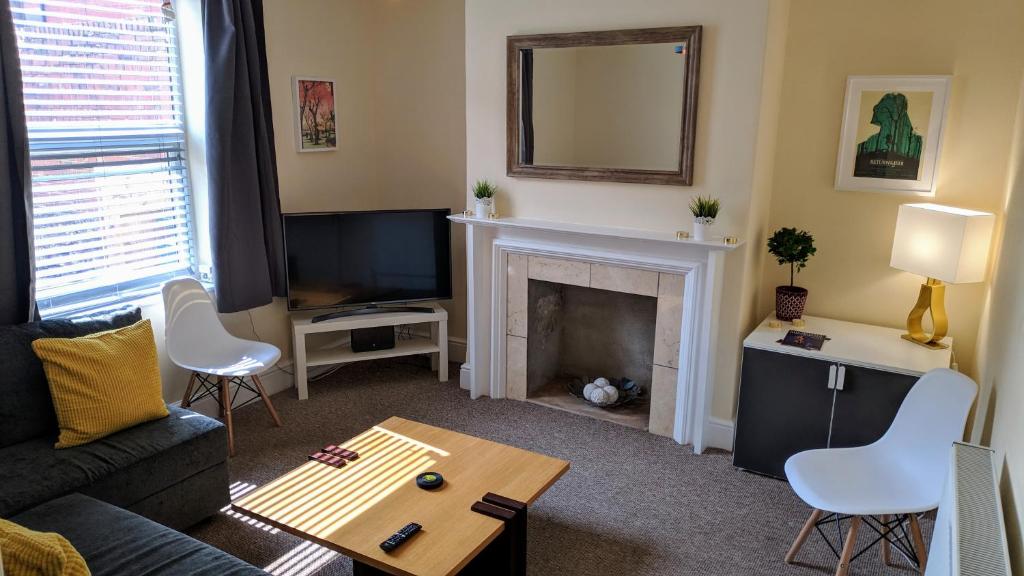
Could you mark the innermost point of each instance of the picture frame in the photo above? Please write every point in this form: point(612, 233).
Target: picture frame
point(315, 111)
point(892, 133)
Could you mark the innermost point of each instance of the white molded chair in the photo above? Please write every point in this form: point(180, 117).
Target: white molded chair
point(197, 341)
point(887, 484)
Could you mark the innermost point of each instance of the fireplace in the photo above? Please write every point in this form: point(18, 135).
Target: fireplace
point(572, 319)
point(576, 333)
point(684, 276)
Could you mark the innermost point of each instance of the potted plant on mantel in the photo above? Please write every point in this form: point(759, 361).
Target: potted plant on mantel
point(704, 210)
point(484, 191)
point(793, 247)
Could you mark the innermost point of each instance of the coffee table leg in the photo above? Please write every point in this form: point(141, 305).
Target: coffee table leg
point(360, 569)
point(507, 554)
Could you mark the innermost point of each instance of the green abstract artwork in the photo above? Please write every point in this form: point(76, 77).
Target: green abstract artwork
point(894, 151)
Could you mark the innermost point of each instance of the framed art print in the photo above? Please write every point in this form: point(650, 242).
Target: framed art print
point(892, 131)
point(316, 128)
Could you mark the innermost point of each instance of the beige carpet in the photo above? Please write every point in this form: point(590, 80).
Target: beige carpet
point(633, 503)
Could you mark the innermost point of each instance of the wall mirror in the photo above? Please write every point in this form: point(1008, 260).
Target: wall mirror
point(617, 106)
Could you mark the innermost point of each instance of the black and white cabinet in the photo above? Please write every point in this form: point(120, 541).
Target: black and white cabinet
point(846, 394)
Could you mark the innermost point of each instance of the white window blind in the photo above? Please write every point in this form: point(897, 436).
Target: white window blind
point(110, 189)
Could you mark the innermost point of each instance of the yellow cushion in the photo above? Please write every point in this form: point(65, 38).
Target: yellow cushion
point(29, 553)
point(102, 383)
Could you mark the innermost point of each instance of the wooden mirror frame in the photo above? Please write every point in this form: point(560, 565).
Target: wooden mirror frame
point(690, 35)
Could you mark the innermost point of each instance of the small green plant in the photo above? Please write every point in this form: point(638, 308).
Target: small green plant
point(704, 207)
point(793, 247)
point(484, 189)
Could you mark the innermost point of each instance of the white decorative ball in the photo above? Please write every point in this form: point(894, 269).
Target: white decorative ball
point(599, 396)
point(602, 383)
point(588, 390)
point(612, 392)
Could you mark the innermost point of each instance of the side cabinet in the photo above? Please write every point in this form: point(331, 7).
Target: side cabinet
point(784, 408)
point(866, 405)
point(791, 403)
point(846, 394)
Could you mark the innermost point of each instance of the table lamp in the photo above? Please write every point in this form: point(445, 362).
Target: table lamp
point(943, 244)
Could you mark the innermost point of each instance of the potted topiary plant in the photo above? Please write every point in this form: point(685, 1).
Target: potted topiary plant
point(793, 247)
point(704, 210)
point(484, 191)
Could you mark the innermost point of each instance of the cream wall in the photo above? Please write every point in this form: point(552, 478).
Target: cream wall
point(1001, 353)
point(736, 34)
point(401, 122)
point(419, 104)
point(981, 46)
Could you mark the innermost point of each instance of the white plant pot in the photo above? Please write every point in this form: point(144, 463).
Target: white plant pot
point(701, 226)
point(484, 207)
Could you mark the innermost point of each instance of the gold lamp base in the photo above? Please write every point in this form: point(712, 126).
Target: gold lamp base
point(931, 298)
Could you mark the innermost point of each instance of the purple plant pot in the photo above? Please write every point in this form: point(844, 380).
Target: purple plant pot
point(790, 302)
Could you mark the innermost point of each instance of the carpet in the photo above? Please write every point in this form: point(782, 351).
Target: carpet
point(632, 503)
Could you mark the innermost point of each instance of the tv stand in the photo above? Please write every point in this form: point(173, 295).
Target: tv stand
point(305, 323)
point(372, 309)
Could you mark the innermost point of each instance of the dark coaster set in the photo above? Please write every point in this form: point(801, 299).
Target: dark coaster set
point(334, 456)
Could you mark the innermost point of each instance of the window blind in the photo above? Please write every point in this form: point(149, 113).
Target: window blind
point(110, 190)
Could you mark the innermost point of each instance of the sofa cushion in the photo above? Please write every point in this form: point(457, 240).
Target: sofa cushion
point(27, 410)
point(122, 468)
point(102, 383)
point(29, 551)
point(116, 542)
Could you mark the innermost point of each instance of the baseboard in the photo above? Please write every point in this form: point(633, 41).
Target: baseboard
point(718, 433)
point(277, 380)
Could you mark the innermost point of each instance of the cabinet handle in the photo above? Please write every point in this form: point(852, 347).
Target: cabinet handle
point(832, 377)
point(841, 380)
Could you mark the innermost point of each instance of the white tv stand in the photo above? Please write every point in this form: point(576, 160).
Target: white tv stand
point(436, 345)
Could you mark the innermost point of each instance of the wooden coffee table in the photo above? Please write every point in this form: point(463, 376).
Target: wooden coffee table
point(355, 508)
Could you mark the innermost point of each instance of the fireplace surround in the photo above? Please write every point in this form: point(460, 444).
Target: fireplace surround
point(601, 257)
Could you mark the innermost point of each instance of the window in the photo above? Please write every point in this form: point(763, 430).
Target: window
point(110, 190)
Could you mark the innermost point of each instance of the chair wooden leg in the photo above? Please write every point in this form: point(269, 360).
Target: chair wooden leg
point(266, 399)
point(802, 537)
point(922, 552)
point(225, 400)
point(186, 401)
point(886, 551)
point(851, 542)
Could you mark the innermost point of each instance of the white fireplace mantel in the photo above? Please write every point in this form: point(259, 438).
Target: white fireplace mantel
point(490, 241)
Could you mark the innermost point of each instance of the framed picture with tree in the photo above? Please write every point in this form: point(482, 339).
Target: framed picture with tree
point(316, 128)
point(892, 132)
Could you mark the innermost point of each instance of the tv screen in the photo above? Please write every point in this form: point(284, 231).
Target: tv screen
point(350, 258)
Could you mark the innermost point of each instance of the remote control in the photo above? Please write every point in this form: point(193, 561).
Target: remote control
point(401, 536)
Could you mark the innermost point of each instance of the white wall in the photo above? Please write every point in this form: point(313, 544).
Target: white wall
point(736, 36)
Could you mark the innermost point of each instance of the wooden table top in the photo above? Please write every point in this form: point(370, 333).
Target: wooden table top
point(355, 508)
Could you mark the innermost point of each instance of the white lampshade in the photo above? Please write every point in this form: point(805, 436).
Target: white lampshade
point(942, 242)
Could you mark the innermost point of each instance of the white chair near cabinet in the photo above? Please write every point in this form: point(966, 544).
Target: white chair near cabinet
point(887, 484)
point(197, 341)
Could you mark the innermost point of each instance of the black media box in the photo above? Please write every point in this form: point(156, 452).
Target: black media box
point(376, 338)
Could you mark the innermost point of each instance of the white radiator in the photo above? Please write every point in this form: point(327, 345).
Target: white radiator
point(970, 535)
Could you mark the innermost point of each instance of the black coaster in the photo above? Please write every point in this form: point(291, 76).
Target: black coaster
point(429, 480)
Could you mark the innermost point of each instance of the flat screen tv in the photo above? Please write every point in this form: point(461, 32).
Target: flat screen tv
point(367, 258)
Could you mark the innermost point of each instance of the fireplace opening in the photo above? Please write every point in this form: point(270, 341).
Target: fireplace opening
point(577, 332)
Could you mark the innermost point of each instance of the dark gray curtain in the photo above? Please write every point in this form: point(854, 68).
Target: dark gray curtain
point(526, 138)
point(245, 211)
point(16, 292)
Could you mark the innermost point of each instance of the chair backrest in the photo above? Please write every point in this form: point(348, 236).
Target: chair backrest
point(930, 419)
point(191, 322)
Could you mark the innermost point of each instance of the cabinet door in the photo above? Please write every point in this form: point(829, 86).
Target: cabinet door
point(784, 408)
point(867, 405)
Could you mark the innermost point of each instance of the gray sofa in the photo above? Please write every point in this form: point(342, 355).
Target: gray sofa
point(118, 499)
